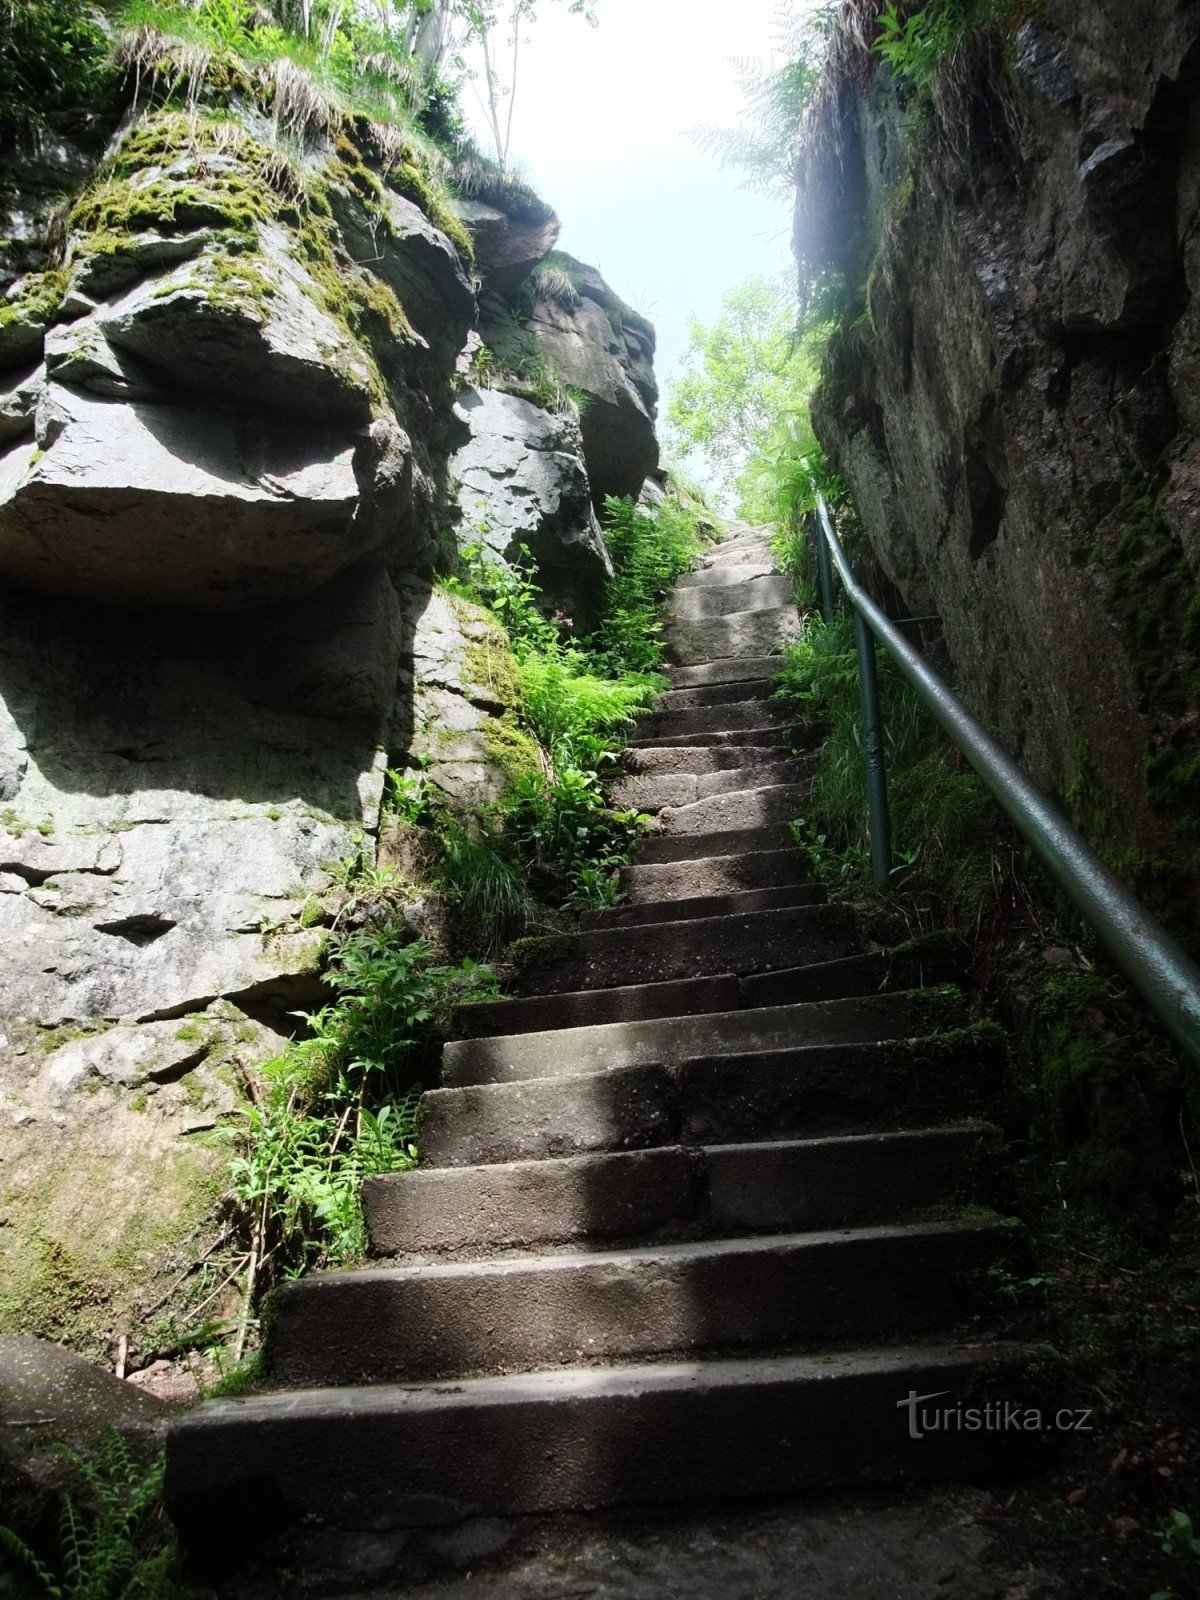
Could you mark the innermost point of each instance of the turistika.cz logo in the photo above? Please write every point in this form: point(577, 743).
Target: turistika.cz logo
point(994, 1416)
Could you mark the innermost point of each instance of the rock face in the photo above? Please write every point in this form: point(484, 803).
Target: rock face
point(598, 345)
point(459, 693)
point(1017, 421)
point(184, 506)
point(511, 236)
point(227, 413)
point(49, 1398)
point(521, 481)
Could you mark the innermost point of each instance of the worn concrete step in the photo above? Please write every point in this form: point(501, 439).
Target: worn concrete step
point(764, 737)
point(693, 760)
point(682, 789)
point(868, 973)
point(717, 694)
point(732, 717)
point(503, 1058)
point(745, 633)
point(823, 980)
point(655, 881)
point(709, 577)
point(798, 1091)
point(672, 1192)
point(398, 1457)
point(737, 552)
point(514, 1313)
point(755, 807)
point(718, 600)
point(692, 947)
point(582, 1008)
point(788, 1092)
point(628, 1108)
point(658, 847)
point(706, 905)
point(736, 669)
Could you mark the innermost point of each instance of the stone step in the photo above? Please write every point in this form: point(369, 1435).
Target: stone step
point(584, 1007)
point(658, 847)
point(837, 979)
point(671, 1192)
point(692, 947)
point(718, 600)
point(517, 1313)
point(682, 789)
point(656, 881)
point(798, 1093)
point(756, 546)
point(503, 1058)
point(727, 670)
point(715, 576)
point(745, 633)
point(706, 905)
point(736, 810)
point(717, 694)
point(399, 1457)
point(628, 1108)
point(732, 717)
point(764, 737)
point(693, 760)
point(824, 980)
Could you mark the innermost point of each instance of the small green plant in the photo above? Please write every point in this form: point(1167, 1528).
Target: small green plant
point(53, 61)
point(490, 889)
point(114, 1546)
point(916, 44)
point(1179, 1538)
point(340, 1103)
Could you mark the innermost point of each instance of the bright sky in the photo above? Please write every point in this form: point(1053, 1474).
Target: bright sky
point(600, 129)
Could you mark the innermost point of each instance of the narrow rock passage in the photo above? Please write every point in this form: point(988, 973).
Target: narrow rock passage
point(685, 1229)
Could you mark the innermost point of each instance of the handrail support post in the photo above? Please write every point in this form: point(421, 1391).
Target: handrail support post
point(878, 814)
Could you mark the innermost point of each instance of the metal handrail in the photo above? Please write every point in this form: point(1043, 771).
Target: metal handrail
point(1157, 966)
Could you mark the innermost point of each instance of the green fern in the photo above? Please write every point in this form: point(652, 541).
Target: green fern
point(102, 1551)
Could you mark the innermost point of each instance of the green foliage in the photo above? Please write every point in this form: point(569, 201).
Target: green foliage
point(915, 43)
point(555, 824)
point(742, 402)
point(510, 591)
point(570, 710)
point(53, 62)
point(574, 842)
point(116, 1545)
point(940, 811)
point(766, 145)
point(479, 876)
point(648, 554)
point(341, 1102)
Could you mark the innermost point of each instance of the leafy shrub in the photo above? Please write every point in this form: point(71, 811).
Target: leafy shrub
point(915, 42)
point(575, 697)
point(572, 839)
point(569, 709)
point(341, 1102)
point(648, 554)
point(53, 62)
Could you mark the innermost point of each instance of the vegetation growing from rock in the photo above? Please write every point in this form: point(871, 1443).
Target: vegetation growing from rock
point(340, 1103)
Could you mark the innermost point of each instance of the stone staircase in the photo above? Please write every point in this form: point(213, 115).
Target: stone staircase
point(680, 1231)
